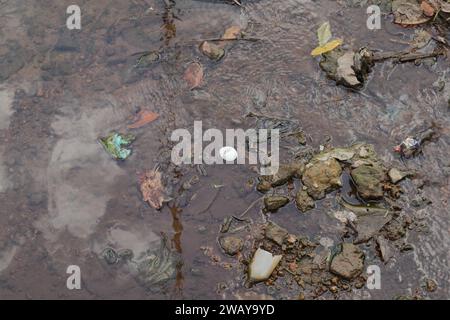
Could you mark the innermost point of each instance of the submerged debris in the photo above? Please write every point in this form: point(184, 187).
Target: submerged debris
point(193, 75)
point(158, 267)
point(152, 188)
point(211, 50)
point(273, 203)
point(231, 245)
point(115, 144)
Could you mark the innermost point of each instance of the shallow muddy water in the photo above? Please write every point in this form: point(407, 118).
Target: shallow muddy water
point(64, 199)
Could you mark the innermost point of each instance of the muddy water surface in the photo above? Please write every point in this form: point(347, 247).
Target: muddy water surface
point(64, 200)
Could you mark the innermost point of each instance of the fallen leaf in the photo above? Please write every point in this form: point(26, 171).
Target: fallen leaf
point(142, 118)
point(327, 47)
point(231, 33)
point(408, 12)
point(324, 33)
point(152, 188)
point(211, 50)
point(427, 9)
point(194, 75)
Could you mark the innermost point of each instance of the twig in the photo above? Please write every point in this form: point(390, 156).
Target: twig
point(250, 206)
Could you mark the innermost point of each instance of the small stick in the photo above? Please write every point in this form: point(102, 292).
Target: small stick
point(249, 207)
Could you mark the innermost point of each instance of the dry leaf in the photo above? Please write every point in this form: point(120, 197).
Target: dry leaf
point(427, 9)
point(324, 33)
point(231, 33)
point(194, 75)
point(408, 12)
point(327, 47)
point(142, 118)
point(152, 188)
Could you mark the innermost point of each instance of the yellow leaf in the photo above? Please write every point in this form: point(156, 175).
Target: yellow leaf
point(326, 47)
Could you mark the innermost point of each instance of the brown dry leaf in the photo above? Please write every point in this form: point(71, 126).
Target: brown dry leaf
point(232, 33)
point(152, 188)
point(142, 118)
point(427, 9)
point(194, 75)
point(408, 12)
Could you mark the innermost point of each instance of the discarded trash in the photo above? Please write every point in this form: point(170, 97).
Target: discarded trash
point(262, 265)
point(412, 145)
point(193, 75)
point(142, 118)
point(228, 153)
point(114, 144)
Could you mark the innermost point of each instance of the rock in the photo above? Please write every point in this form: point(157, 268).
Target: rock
point(275, 233)
point(262, 265)
point(321, 177)
point(212, 51)
point(231, 245)
point(303, 201)
point(287, 172)
point(385, 249)
point(368, 180)
point(263, 185)
point(110, 255)
point(348, 263)
point(273, 203)
point(396, 175)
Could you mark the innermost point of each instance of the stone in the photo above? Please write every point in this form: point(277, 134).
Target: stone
point(275, 233)
point(303, 201)
point(348, 263)
point(368, 180)
point(396, 175)
point(231, 245)
point(321, 177)
point(212, 51)
point(273, 203)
